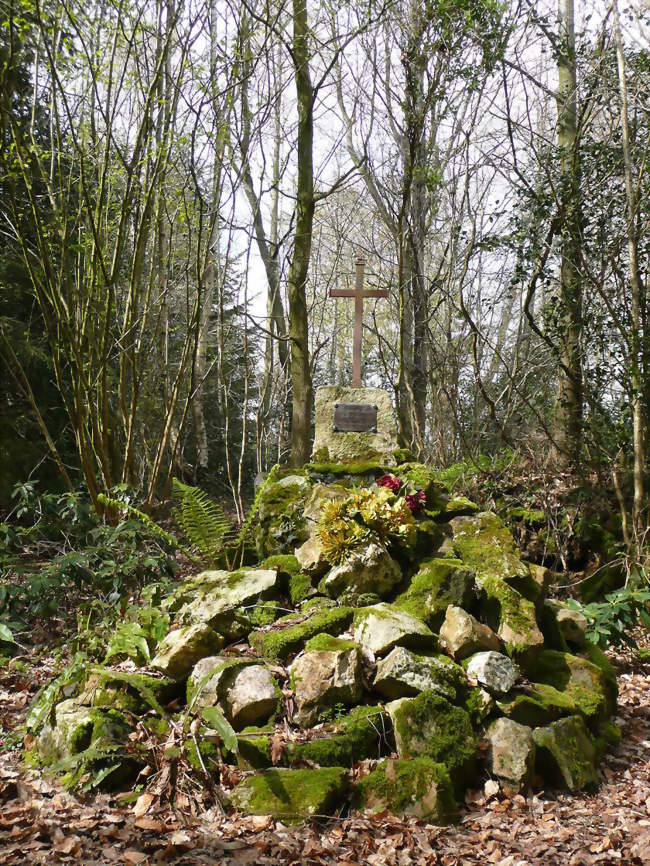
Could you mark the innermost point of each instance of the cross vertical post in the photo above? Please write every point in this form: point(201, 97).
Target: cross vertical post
point(359, 266)
point(358, 293)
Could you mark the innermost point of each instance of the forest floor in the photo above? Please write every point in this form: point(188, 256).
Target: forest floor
point(42, 823)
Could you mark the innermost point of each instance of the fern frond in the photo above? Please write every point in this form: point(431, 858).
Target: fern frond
point(204, 522)
point(119, 506)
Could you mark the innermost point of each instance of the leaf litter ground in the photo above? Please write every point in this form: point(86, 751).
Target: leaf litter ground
point(41, 823)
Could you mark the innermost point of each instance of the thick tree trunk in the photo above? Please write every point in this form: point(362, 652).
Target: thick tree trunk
point(638, 296)
point(569, 396)
point(298, 323)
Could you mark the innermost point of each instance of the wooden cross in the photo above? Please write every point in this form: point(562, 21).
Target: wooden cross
point(358, 293)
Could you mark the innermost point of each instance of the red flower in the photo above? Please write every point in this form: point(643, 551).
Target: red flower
point(415, 501)
point(391, 481)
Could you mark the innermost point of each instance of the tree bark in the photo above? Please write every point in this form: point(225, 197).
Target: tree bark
point(569, 393)
point(298, 270)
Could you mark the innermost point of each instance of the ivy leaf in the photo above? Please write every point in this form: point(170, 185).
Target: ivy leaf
point(6, 634)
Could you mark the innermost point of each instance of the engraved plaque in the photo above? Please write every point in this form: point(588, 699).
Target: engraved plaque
point(354, 418)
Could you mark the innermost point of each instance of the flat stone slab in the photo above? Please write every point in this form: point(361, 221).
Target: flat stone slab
point(332, 444)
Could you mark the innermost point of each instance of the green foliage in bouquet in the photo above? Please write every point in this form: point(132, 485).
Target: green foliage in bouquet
point(372, 514)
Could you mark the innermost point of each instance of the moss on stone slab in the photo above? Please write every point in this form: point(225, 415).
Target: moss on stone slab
point(130, 691)
point(254, 751)
point(479, 704)
point(597, 657)
point(459, 506)
point(437, 584)
point(581, 682)
point(566, 754)
point(293, 795)
point(285, 564)
point(300, 587)
point(328, 643)
point(429, 726)
point(417, 787)
point(487, 547)
point(513, 618)
point(365, 733)
point(281, 643)
point(363, 467)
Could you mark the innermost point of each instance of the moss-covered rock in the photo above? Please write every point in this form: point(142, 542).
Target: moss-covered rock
point(292, 795)
point(459, 506)
point(383, 626)
point(418, 787)
point(254, 750)
point(487, 547)
point(370, 569)
point(513, 617)
point(331, 444)
point(280, 643)
point(479, 705)
point(582, 683)
point(282, 525)
point(229, 602)
point(428, 725)
point(405, 674)
point(437, 584)
point(365, 733)
point(77, 727)
point(300, 588)
point(130, 691)
point(566, 754)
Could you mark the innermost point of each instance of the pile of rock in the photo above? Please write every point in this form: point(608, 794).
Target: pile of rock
point(434, 666)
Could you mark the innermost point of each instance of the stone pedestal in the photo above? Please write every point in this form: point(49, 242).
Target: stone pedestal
point(374, 441)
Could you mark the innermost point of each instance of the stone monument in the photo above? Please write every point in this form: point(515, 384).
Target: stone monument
point(354, 423)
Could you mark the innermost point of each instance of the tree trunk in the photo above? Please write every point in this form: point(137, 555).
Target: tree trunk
point(635, 342)
point(298, 270)
point(569, 394)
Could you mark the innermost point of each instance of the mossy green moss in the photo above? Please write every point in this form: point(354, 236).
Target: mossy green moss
point(581, 682)
point(328, 643)
point(134, 692)
point(300, 587)
point(285, 564)
point(363, 467)
point(293, 795)
point(566, 754)
point(281, 643)
point(459, 506)
point(282, 525)
point(254, 751)
point(513, 618)
point(209, 752)
point(530, 516)
point(430, 726)
point(365, 733)
point(479, 704)
point(597, 657)
point(264, 613)
point(437, 584)
point(487, 547)
point(419, 787)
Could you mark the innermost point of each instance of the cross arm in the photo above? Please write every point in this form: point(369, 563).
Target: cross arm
point(342, 293)
point(375, 293)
